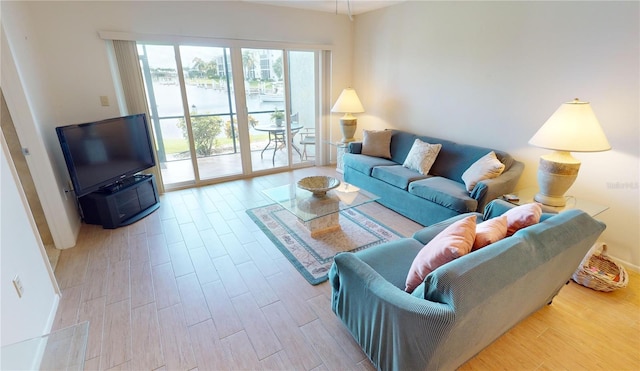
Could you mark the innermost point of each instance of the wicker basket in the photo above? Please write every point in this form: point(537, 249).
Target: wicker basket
point(599, 272)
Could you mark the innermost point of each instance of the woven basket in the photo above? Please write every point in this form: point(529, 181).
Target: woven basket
point(599, 272)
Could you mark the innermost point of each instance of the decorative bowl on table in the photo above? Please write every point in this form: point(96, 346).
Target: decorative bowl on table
point(318, 185)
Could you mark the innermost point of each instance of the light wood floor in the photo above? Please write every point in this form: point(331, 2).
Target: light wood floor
point(196, 285)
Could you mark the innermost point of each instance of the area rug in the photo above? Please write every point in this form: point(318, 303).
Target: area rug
point(313, 257)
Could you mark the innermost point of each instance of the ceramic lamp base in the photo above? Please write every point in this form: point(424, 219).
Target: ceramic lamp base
point(348, 127)
point(556, 174)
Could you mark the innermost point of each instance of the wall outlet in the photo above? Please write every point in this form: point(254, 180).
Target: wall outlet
point(104, 101)
point(17, 283)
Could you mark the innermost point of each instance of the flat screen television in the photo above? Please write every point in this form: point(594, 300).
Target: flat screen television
point(103, 153)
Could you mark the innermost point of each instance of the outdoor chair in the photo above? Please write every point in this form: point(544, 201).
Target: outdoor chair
point(308, 138)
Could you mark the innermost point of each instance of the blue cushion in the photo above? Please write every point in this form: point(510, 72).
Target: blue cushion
point(445, 192)
point(401, 143)
point(364, 163)
point(454, 158)
point(397, 175)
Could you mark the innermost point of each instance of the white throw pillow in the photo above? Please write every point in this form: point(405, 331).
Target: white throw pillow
point(487, 167)
point(422, 156)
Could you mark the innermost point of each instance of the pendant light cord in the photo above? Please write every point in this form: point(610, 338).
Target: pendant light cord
point(348, 9)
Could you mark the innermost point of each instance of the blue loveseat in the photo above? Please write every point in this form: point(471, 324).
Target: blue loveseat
point(431, 198)
point(462, 306)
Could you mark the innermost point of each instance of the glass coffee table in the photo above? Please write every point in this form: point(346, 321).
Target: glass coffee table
point(319, 215)
point(63, 349)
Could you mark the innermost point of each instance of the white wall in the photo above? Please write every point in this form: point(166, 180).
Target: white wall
point(59, 209)
point(487, 73)
point(64, 67)
point(22, 254)
point(491, 73)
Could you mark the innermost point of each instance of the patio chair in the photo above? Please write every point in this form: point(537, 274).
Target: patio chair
point(307, 138)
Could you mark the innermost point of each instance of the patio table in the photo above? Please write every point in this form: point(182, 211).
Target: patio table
point(277, 137)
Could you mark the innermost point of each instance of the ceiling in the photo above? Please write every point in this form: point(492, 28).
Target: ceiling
point(331, 6)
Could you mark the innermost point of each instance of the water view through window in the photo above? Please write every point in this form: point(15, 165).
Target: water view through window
point(192, 102)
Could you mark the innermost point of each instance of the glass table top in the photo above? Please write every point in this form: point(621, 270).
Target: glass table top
point(592, 208)
point(307, 207)
point(60, 350)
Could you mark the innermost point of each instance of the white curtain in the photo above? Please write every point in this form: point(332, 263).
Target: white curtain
point(126, 54)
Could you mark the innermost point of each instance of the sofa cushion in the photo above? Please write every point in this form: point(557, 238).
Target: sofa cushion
point(487, 167)
point(401, 143)
point(445, 192)
point(490, 231)
point(397, 175)
point(455, 158)
point(453, 242)
point(522, 216)
point(421, 156)
point(363, 163)
point(377, 143)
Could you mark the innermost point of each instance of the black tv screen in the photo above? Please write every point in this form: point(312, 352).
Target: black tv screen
point(99, 154)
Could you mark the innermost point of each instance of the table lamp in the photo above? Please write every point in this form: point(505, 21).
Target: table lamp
point(348, 103)
point(572, 128)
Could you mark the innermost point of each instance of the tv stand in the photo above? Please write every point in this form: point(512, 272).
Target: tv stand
point(123, 183)
point(122, 203)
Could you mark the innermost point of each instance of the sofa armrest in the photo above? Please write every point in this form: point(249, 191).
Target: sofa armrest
point(426, 234)
point(396, 330)
point(497, 208)
point(354, 147)
point(490, 189)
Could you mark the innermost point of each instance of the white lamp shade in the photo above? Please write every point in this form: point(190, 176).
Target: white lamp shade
point(573, 128)
point(348, 102)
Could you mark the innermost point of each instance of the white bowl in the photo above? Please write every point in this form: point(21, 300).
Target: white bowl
point(318, 185)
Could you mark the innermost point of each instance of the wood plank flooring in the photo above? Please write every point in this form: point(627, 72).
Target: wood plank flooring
point(196, 285)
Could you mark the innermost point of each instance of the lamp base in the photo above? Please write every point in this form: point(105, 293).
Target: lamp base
point(348, 127)
point(550, 200)
point(556, 174)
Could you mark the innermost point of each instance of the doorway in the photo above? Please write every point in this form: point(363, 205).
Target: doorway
point(26, 180)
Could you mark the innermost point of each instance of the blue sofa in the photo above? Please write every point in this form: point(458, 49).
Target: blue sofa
point(462, 306)
point(431, 198)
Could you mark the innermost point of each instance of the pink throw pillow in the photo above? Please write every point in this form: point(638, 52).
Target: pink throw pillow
point(453, 242)
point(522, 216)
point(490, 231)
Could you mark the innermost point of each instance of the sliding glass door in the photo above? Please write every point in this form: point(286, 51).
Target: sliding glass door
point(302, 85)
point(160, 73)
point(212, 107)
point(281, 134)
point(193, 104)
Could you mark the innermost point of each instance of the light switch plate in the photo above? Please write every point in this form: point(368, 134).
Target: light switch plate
point(17, 283)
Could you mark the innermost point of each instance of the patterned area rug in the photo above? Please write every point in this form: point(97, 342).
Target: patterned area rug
point(313, 256)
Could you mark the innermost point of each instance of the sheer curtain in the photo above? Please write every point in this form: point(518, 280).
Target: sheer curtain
point(132, 83)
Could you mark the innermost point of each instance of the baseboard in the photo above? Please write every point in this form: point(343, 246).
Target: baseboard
point(626, 264)
point(52, 314)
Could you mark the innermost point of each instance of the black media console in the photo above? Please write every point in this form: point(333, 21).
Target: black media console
point(121, 204)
